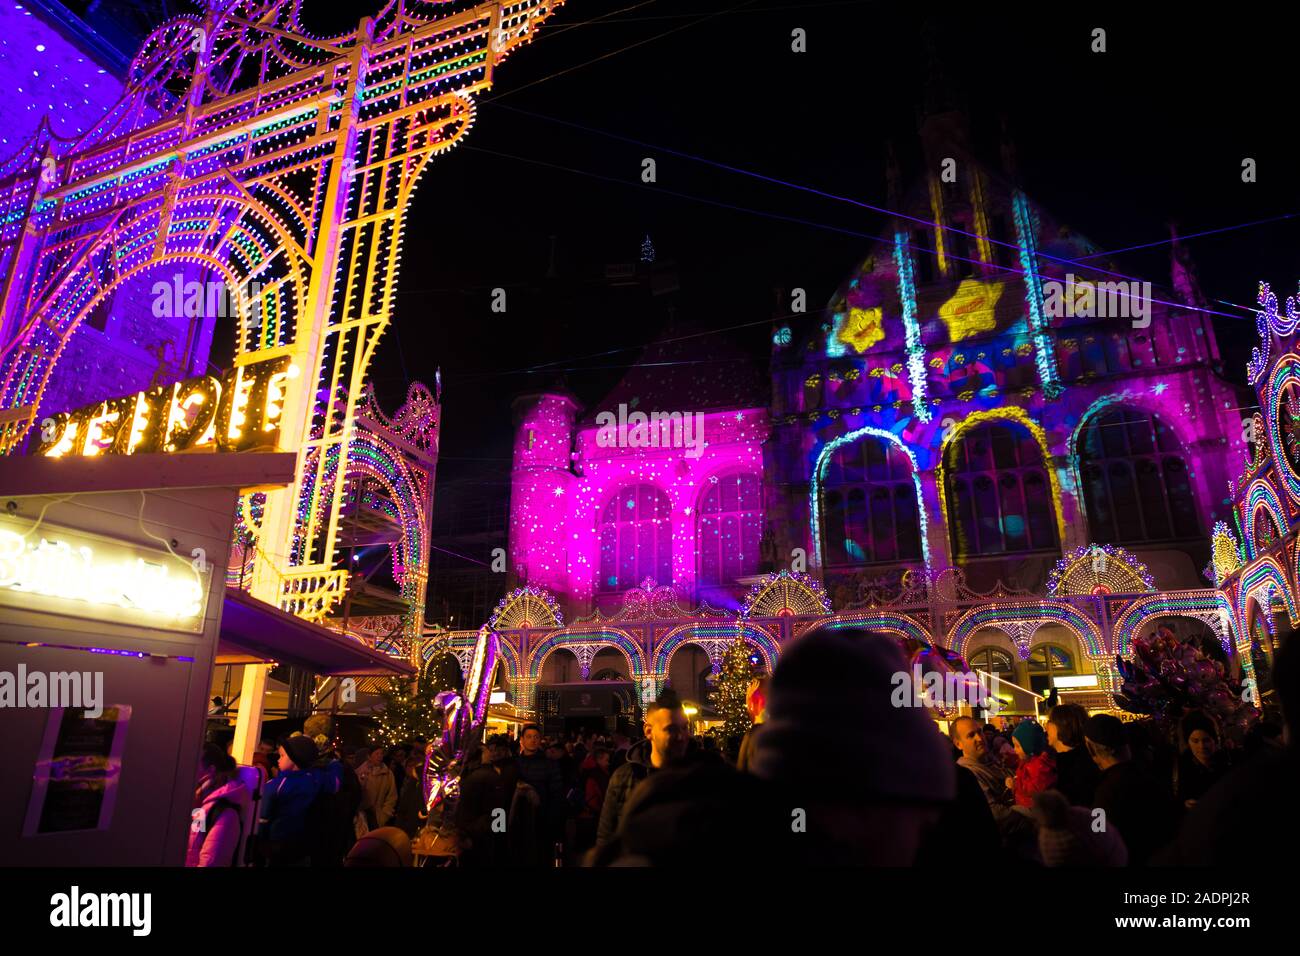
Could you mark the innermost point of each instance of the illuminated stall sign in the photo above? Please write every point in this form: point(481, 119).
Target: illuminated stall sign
point(60, 571)
point(240, 411)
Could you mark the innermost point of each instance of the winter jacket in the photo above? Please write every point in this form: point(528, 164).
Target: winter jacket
point(1141, 806)
point(1034, 775)
point(1212, 834)
point(379, 800)
point(692, 812)
point(1194, 778)
point(992, 776)
point(625, 779)
point(1077, 776)
point(543, 774)
point(285, 802)
point(214, 841)
point(484, 790)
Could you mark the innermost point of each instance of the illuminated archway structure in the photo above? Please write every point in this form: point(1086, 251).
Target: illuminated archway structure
point(391, 464)
point(1257, 578)
point(283, 163)
point(932, 609)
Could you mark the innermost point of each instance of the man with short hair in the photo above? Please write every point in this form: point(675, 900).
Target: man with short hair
point(542, 774)
point(668, 739)
point(1138, 805)
point(968, 736)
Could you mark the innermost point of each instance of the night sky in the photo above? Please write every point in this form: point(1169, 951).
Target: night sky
point(546, 192)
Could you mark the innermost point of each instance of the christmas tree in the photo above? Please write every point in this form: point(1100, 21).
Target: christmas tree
point(407, 714)
point(410, 713)
point(647, 250)
point(1167, 678)
point(728, 696)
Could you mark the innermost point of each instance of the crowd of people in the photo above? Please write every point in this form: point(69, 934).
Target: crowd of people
point(833, 774)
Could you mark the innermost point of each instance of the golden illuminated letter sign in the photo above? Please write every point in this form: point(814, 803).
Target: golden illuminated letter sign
point(240, 411)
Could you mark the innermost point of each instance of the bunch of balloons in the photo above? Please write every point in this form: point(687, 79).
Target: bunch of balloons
point(1168, 677)
point(463, 714)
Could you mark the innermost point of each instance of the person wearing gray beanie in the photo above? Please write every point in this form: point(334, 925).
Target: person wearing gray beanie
point(866, 777)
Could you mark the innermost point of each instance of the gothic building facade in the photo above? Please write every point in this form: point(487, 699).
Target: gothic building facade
point(985, 392)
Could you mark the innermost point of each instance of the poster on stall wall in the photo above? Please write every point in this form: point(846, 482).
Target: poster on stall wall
point(77, 771)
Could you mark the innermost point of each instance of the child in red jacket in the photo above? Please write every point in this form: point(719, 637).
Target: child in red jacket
point(1037, 770)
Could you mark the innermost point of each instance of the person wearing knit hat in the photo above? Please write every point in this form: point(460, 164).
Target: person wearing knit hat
point(1067, 835)
point(1036, 771)
point(870, 776)
point(299, 751)
point(1139, 804)
point(1105, 732)
point(285, 802)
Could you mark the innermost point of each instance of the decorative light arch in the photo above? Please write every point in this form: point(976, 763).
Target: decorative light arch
point(786, 594)
point(461, 644)
point(1099, 569)
point(1020, 417)
point(896, 624)
point(712, 636)
point(372, 457)
point(527, 607)
point(1045, 612)
point(1261, 494)
point(1286, 371)
point(1209, 607)
point(589, 639)
point(819, 477)
point(1261, 581)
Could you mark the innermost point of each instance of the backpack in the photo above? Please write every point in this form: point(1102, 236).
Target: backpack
point(214, 812)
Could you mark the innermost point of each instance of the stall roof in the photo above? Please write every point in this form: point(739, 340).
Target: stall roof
point(252, 631)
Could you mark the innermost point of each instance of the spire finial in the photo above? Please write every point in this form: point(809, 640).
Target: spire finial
point(1183, 271)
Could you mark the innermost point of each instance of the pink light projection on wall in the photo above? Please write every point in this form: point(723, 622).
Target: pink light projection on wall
point(556, 510)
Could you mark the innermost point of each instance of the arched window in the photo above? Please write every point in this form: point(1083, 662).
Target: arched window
point(729, 530)
point(993, 660)
point(869, 505)
point(1047, 661)
point(1136, 486)
point(636, 539)
point(999, 495)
